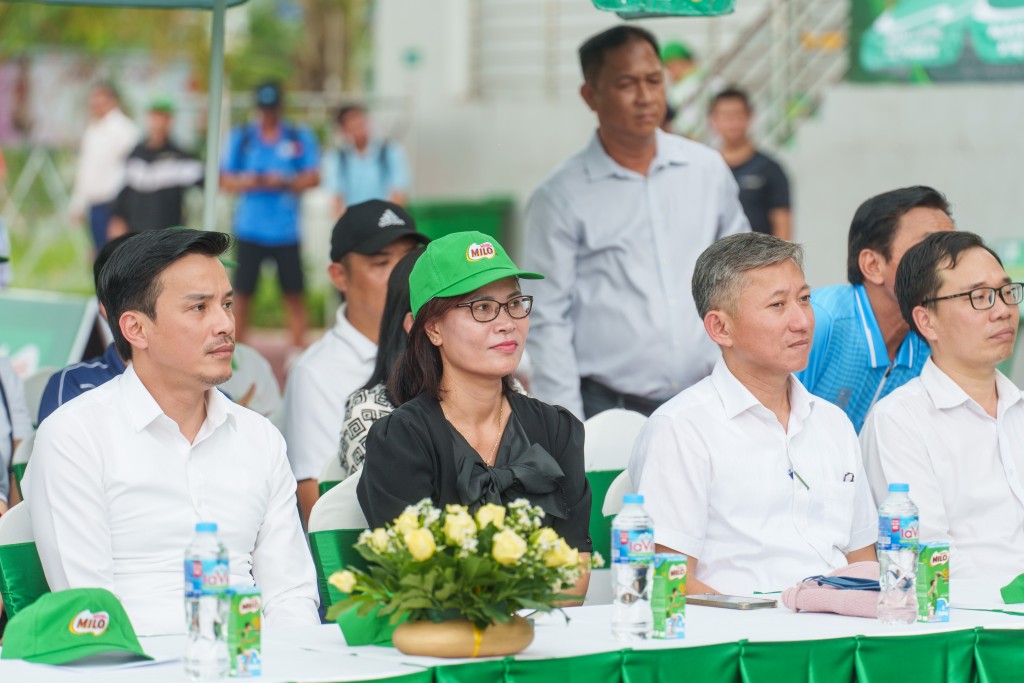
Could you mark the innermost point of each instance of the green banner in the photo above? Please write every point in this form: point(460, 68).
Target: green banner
point(44, 329)
point(936, 40)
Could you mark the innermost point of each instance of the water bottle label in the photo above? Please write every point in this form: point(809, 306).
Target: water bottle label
point(894, 532)
point(206, 577)
point(632, 545)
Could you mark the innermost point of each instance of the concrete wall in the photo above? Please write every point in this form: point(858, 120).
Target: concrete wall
point(963, 139)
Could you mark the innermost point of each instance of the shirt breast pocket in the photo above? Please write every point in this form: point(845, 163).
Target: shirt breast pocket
point(838, 518)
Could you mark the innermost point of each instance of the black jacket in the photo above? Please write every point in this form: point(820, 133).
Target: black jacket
point(410, 455)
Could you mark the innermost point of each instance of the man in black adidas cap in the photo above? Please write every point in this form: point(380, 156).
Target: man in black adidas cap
point(366, 243)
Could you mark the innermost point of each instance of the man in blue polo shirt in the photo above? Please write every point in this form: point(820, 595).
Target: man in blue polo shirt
point(79, 378)
point(863, 349)
point(270, 163)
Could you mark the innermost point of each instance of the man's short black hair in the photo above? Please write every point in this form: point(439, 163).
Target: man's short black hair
point(592, 52)
point(918, 278)
point(130, 281)
point(877, 219)
point(106, 251)
point(731, 93)
point(348, 109)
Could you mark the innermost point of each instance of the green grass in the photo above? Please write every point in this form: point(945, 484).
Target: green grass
point(52, 257)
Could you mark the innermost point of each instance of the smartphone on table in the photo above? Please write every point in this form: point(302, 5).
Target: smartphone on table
point(729, 601)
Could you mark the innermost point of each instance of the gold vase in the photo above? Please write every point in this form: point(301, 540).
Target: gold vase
point(460, 638)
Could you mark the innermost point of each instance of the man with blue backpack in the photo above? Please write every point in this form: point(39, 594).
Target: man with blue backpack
point(365, 167)
point(270, 163)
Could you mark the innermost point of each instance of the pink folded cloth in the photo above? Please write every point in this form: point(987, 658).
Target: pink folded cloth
point(808, 596)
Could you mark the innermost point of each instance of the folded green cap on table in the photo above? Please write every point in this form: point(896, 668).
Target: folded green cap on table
point(70, 625)
point(1013, 592)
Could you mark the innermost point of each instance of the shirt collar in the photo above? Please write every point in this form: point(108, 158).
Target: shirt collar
point(945, 393)
point(343, 329)
point(878, 356)
point(143, 409)
point(112, 359)
point(736, 398)
point(598, 164)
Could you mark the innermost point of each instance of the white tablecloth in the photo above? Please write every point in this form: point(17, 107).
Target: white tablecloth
point(319, 653)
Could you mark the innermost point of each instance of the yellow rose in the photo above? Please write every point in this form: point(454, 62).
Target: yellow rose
point(456, 509)
point(574, 558)
point(508, 548)
point(559, 555)
point(421, 544)
point(344, 581)
point(491, 514)
point(546, 537)
point(379, 540)
point(407, 521)
point(458, 526)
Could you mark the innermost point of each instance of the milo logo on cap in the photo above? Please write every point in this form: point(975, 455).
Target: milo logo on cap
point(86, 622)
point(478, 252)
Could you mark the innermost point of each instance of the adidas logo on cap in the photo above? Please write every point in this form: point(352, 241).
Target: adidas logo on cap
point(389, 218)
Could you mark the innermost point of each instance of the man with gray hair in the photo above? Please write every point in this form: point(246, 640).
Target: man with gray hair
point(756, 481)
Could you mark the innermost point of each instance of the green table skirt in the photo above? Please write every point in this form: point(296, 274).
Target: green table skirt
point(976, 655)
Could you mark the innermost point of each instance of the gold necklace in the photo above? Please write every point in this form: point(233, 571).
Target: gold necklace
point(497, 439)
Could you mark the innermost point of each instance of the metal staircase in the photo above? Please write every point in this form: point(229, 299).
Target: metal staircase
point(785, 59)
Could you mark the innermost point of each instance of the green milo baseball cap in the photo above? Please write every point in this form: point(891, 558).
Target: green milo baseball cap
point(69, 625)
point(162, 104)
point(457, 264)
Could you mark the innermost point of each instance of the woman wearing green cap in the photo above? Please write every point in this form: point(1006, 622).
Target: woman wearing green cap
point(461, 434)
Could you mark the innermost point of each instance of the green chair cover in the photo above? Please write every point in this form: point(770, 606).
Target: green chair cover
point(326, 486)
point(601, 526)
point(332, 551)
point(21, 576)
point(19, 473)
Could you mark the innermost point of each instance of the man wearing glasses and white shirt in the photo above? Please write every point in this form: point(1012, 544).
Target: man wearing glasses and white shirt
point(956, 433)
point(758, 482)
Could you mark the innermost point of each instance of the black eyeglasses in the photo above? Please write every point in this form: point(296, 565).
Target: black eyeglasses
point(486, 310)
point(984, 298)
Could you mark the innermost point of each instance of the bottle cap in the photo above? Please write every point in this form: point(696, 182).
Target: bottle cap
point(632, 498)
point(899, 488)
point(206, 527)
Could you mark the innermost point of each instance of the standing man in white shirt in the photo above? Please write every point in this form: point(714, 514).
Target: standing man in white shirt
point(15, 426)
point(108, 140)
point(956, 433)
point(120, 476)
point(756, 481)
point(617, 228)
point(366, 243)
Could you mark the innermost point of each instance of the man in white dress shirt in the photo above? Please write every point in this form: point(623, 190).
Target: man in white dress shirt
point(366, 243)
point(757, 481)
point(120, 476)
point(108, 140)
point(616, 228)
point(956, 433)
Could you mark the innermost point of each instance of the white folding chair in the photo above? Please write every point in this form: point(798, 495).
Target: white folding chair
point(609, 439)
point(613, 499)
point(16, 526)
point(254, 372)
point(35, 384)
point(334, 526)
point(20, 459)
point(338, 508)
point(331, 474)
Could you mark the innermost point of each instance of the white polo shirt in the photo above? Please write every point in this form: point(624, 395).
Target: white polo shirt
point(713, 466)
point(316, 392)
point(115, 491)
point(964, 468)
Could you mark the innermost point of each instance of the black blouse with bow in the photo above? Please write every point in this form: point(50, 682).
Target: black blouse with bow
point(415, 453)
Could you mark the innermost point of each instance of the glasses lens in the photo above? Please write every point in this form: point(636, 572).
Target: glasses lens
point(519, 307)
point(1013, 293)
point(983, 298)
point(485, 311)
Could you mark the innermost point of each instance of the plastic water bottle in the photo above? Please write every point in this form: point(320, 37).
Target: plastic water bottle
point(206, 606)
point(897, 556)
point(632, 564)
